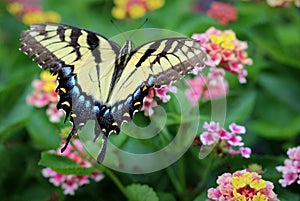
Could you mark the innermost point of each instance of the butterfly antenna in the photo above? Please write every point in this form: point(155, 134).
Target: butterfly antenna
point(146, 20)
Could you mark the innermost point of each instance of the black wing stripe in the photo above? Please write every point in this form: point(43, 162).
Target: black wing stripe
point(61, 33)
point(153, 47)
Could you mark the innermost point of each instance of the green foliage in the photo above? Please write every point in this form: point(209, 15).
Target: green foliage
point(138, 192)
point(268, 105)
point(63, 165)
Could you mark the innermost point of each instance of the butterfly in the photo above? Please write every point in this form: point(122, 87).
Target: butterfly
point(102, 81)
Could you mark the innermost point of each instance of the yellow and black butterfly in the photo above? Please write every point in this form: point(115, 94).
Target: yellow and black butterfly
point(98, 79)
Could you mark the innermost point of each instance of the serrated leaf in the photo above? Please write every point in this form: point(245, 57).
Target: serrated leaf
point(166, 196)
point(63, 165)
point(138, 192)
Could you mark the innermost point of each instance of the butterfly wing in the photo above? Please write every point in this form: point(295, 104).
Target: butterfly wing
point(155, 63)
point(84, 64)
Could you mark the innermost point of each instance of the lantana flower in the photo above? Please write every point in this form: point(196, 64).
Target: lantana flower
point(155, 96)
point(223, 12)
point(31, 12)
point(291, 168)
point(225, 142)
point(44, 94)
point(70, 183)
point(283, 3)
point(134, 8)
point(242, 186)
point(226, 51)
point(207, 87)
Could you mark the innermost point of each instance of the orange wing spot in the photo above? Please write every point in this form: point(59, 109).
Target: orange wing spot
point(144, 88)
point(66, 103)
point(63, 90)
point(136, 103)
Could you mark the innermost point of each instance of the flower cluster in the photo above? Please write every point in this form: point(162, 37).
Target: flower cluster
point(70, 183)
point(30, 12)
point(242, 185)
point(223, 12)
point(226, 142)
point(155, 96)
point(283, 3)
point(44, 94)
point(134, 8)
point(208, 87)
point(291, 169)
point(226, 51)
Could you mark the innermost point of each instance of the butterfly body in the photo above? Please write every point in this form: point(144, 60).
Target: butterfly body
point(99, 80)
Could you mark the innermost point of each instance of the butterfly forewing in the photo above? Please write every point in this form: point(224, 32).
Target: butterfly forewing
point(99, 80)
point(154, 64)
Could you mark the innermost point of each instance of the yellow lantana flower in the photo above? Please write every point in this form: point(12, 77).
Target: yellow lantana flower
point(50, 81)
point(137, 11)
point(118, 12)
point(260, 197)
point(240, 182)
point(258, 184)
point(155, 4)
point(15, 8)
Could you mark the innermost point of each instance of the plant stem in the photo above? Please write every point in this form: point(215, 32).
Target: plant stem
point(173, 179)
point(206, 173)
point(107, 171)
point(176, 183)
point(115, 179)
point(181, 174)
point(181, 177)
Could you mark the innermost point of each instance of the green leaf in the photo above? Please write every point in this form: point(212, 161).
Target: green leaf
point(16, 116)
point(284, 88)
point(138, 192)
point(287, 54)
point(44, 133)
point(63, 165)
point(201, 197)
point(273, 130)
point(166, 196)
point(240, 108)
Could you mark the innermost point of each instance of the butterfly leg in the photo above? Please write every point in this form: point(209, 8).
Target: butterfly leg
point(68, 139)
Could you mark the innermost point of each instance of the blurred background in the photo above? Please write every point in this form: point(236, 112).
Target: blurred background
point(267, 105)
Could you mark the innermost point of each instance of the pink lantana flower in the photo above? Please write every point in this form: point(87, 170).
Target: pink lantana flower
point(53, 113)
point(226, 51)
point(242, 185)
point(70, 183)
point(291, 168)
point(225, 142)
point(155, 96)
point(44, 95)
point(207, 87)
point(223, 12)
